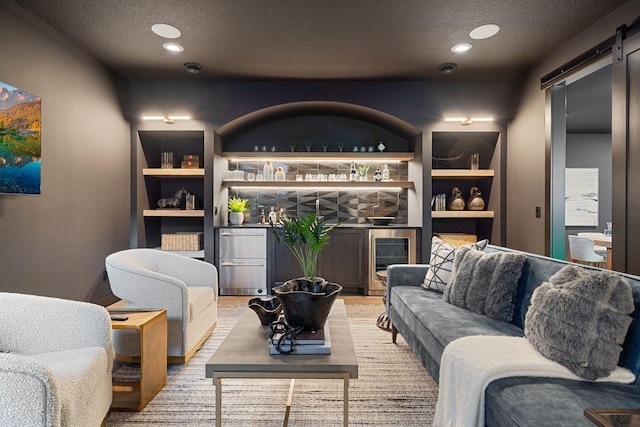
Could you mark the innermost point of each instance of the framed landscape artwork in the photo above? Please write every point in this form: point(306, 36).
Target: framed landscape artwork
point(20, 118)
point(581, 197)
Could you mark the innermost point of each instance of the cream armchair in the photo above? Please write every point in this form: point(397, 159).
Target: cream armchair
point(186, 287)
point(56, 358)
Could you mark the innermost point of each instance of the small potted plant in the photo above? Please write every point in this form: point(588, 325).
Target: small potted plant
point(307, 300)
point(237, 208)
point(362, 171)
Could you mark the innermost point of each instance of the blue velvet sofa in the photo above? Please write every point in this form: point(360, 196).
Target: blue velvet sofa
point(428, 324)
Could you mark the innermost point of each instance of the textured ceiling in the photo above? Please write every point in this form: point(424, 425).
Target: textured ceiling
point(318, 39)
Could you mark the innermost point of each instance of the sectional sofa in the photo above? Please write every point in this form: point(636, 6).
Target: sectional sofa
point(428, 324)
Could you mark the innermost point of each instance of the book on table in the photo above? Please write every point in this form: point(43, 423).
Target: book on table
point(317, 342)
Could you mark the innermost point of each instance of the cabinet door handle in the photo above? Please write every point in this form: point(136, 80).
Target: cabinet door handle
point(232, 264)
point(242, 234)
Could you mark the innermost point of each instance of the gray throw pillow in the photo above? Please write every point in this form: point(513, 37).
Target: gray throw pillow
point(580, 319)
point(441, 262)
point(485, 282)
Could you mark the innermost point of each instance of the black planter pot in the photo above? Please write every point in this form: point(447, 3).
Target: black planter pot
point(307, 304)
point(267, 309)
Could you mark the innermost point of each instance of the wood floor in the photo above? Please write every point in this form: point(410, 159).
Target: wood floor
point(348, 299)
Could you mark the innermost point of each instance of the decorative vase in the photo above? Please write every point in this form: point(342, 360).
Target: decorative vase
point(236, 218)
point(456, 202)
point(475, 202)
point(267, 309)
point(306, 303)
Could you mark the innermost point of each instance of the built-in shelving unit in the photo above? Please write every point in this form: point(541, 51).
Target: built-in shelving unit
point(319, 184)
point(151, 183)
point(451, 150)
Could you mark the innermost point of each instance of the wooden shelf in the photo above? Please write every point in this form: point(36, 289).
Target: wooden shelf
point(173, 213)
point(461, 173)
point(319, 156)
point(462, 214)
point(319, 184)
point(173, 173)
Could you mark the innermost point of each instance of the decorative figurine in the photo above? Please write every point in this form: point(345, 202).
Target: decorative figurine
point(456, 202)
point(475, 202)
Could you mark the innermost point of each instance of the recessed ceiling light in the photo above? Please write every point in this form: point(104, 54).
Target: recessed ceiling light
point(165, 30)
point(173, 47)
point(484, 31)
point(461, 47)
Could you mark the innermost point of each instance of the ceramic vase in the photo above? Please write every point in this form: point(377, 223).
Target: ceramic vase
point(267, 309)
point(306, 303)
point(236, 218)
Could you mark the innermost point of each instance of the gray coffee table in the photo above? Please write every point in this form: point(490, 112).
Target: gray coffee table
point(244, 353)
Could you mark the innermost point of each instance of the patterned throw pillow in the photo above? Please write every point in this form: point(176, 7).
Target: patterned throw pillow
point(441, 263)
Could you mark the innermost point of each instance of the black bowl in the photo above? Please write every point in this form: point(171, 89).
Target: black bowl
point(267, 309)
point(381, 220)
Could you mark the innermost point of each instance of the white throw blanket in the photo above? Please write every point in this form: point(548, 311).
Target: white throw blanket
point(470, 364)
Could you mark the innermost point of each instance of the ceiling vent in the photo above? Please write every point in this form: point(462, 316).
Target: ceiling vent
point(192, 67)
point(448, 68)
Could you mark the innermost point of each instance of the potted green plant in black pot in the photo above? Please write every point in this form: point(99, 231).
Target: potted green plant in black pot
point(307, 300)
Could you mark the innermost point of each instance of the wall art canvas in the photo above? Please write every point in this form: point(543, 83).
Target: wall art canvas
point(20, 118)
point(581, 197)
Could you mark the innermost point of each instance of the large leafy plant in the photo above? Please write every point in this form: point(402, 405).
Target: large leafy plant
point(305, 237)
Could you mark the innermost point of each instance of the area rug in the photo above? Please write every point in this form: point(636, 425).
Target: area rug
point(393, 388)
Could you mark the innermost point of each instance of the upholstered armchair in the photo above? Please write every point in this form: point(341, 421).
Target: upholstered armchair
point(186, 287)
point(56, 358)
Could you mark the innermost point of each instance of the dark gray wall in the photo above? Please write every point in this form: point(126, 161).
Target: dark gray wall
point(526, 135)
point(54, 244)
point(592, 151)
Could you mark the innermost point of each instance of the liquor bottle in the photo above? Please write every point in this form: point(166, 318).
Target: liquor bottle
point(268, 171)
point(353, 173)
point(385, 173)
point(279, 176)
point(262, 219)
point(273, 216)
point(378, 174)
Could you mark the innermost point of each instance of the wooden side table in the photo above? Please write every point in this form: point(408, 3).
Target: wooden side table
point(152, 327)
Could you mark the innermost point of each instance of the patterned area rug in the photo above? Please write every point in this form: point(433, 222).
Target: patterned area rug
point(393, 389)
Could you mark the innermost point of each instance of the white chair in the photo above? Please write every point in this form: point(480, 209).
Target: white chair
point(600, 250)
point(56, 359)
point(186, 287)
point(582, 251)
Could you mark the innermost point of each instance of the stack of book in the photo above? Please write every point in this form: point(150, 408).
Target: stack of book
point(317, 342)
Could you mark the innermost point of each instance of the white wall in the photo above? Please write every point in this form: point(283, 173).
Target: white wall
point(526, 135)
point(55, 243)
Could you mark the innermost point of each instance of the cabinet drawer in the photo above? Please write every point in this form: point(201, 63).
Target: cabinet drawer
point(243, 273)
point(249, 243)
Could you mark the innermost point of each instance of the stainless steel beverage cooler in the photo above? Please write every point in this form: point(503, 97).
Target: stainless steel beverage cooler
point(389, 246)
point(242, 258)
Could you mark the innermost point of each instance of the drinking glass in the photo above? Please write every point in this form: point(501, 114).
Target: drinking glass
point(166, 160)
point(475, 161)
